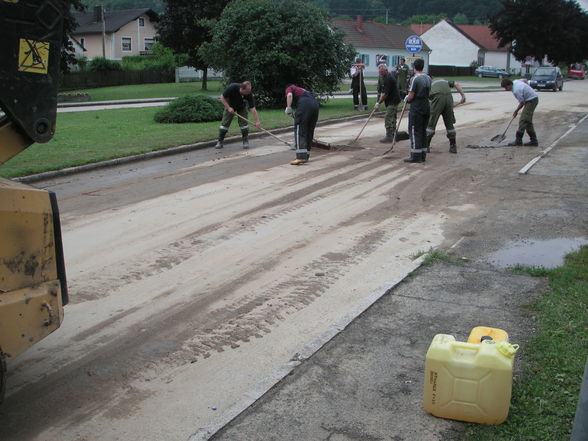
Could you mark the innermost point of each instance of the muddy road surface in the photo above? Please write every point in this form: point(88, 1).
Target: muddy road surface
point(196, 278)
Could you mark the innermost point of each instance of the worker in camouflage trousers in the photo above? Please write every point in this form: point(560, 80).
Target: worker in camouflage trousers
point(402, 77)
point(418, 115)
point(305, 119)
point(391, 98)
point(441, 102)
point(528, 100)
point(237, 98)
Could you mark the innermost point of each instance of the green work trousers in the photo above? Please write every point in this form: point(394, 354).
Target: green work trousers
point(390, 118)
point(228, 118)
point(441, 105)
point(526, 121)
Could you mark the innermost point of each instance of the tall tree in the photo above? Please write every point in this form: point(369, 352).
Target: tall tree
point(69, 24)
point(556, 29)
point(183, 27)
point(275, 43)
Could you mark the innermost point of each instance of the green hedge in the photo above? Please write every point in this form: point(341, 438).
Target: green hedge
point(191, 108)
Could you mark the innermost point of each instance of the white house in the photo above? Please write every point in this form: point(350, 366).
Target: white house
point(460, 45)
point(374, 40)
point(120, 33)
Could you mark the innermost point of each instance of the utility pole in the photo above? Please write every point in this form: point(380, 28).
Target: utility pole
point(103, 29)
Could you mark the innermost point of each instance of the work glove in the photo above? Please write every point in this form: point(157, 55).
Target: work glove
point(288, 111)
point(377, 106)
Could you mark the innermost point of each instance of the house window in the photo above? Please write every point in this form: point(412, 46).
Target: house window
point(365, 59)
point(141, 21)
point(126, 44)
point(149, 42)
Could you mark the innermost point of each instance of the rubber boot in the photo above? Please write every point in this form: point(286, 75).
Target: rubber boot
point(518, 139)
point(415, 157)
point(429, 139)
point(245, 136)
point(389, 136)
point(452, 145)
point(221, 138)
point(533, 142)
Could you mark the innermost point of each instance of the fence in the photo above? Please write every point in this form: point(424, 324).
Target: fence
point(451, 71)
point(187, 74)
point(90, 80)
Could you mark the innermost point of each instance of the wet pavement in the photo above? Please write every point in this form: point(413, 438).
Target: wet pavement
point(366, 383)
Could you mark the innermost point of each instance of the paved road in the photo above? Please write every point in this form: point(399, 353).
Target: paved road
point(196, 278)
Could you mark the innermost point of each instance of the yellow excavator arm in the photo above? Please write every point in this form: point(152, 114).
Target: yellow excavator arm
point(33, 287)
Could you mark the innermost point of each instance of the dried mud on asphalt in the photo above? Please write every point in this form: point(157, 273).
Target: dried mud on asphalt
point(195, 279)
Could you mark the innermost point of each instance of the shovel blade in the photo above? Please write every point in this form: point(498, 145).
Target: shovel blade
point(498, 138)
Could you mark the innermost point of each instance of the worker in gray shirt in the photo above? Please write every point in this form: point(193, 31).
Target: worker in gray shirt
point(418, 115)
point(528, 101)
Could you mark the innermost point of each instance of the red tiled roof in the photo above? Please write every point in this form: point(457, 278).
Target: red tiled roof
point(483, 36)
point(374, 35)
point(420, 29)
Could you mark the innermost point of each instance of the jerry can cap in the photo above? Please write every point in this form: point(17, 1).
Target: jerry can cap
point(507, 349)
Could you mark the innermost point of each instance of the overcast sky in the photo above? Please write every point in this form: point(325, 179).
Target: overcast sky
point(584, 4)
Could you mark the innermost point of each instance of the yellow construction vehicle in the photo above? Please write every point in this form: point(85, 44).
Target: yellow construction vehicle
point(33, 288)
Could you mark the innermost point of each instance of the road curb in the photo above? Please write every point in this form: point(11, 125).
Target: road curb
point(164, 152)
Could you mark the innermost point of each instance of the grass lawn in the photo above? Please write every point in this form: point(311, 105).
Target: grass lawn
point(86, 137)
point(545, 395)
point(168, 90)
point(160, 90)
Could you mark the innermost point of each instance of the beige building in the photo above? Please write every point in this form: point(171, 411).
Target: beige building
point(121, 33)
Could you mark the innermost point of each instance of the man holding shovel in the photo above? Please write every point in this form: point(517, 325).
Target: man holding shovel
point(391, 98)
point(528, 101)
point(418, 115)
point(237, 98)
point(307, 112)
point(442, 105)
point(358, 86)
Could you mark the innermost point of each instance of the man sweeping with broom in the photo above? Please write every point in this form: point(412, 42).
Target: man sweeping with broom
point(237, 98)
point(305, 119)
point(391, 98)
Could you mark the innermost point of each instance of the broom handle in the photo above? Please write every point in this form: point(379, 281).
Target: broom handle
point(367, 121)
point(396, 130)
point(261, 128)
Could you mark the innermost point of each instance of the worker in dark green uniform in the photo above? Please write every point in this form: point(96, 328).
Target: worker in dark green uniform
point(391, 98)
point(237, 99)
point(442, 105)
point(402, 77)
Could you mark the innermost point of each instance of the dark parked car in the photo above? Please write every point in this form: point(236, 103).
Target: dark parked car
point(547, 78)
point(492, 72)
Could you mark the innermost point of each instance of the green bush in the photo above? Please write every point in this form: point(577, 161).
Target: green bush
point(163, 59)
point(191, 108)
point(101, 64)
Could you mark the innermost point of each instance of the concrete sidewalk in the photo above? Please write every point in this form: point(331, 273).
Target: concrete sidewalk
point(367, 382)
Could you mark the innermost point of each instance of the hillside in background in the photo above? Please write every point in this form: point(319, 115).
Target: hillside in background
point(397, 11)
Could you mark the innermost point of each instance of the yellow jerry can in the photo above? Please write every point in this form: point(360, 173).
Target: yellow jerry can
point(480, 333)
point(467, 381)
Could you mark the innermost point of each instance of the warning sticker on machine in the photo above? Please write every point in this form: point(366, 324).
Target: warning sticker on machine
point(33, 56)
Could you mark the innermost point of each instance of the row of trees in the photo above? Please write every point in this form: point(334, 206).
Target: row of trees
point(276, 42)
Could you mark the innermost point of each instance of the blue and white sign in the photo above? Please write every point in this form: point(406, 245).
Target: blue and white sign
point(414, 44)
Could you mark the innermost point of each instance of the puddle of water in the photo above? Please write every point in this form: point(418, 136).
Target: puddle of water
point(545, 253)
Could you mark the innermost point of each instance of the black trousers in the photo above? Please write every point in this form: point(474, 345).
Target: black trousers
point(356, 92)
point(307, 112)
point(417, 129)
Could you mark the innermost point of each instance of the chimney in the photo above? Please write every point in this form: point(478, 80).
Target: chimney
point(98, 14)
point(359, 24)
